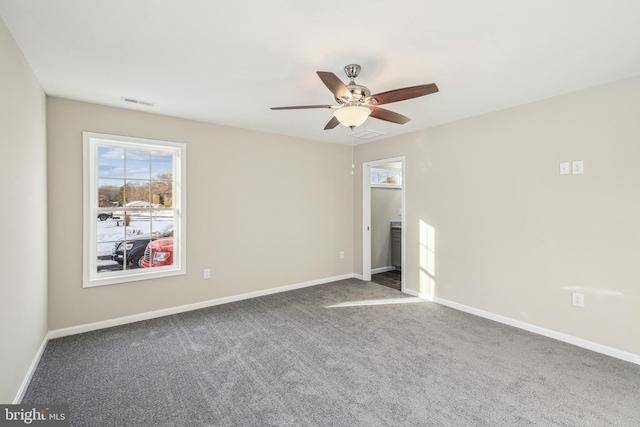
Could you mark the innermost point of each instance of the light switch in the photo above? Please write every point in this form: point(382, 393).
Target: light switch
point(578, 167)
point(565, 168)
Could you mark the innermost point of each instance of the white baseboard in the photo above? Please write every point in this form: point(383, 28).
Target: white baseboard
point(589, 345)
point(412, 293)
point(32, 368)
point(58, 333)
point(382, 269)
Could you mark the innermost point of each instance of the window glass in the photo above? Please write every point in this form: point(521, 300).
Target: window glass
point(135, 220)
point(386, 176)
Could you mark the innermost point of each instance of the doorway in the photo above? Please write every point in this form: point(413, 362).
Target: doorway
point(383, 203)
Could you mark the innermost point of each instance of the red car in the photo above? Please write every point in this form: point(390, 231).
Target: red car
point(158, 253)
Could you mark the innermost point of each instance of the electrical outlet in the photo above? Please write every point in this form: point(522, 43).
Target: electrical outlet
point(578, 299)
point(207, 273)
point(341, 254)
point(577, 167)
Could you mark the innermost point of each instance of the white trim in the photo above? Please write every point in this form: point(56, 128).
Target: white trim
point(58, 333)
point(385, 186)
point(366, 222)
point(32, 369)
point(366, 215)
point(589, 345)
point(90, 143)
point(413, 293)
point(382, 269)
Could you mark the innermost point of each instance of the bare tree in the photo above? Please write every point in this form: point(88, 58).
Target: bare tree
point(107, 196)
point(156, 192)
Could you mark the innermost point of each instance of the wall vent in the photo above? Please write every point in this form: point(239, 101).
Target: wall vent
point(137, 101)
point(366, 134)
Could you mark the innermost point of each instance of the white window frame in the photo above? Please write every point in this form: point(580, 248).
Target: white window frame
point(91, 141)
point(394, 170)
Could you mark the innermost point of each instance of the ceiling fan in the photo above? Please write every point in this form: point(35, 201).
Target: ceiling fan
point(355, 102)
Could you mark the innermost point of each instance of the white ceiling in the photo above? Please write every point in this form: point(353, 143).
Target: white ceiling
point(228, 62)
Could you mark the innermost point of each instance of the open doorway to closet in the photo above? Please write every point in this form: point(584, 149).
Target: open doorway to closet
point(383, 214)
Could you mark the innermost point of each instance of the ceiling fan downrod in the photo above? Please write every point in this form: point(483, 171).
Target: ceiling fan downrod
point(352, 71)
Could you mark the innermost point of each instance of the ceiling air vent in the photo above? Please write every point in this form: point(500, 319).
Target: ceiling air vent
point(366, 134)
point(137, 101)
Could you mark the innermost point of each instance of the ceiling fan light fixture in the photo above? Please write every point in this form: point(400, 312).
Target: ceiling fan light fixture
point(352, 116)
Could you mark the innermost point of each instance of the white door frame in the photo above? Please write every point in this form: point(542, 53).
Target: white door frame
point(366, 215)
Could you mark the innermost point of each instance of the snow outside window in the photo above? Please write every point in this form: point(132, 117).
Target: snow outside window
point(134, 209)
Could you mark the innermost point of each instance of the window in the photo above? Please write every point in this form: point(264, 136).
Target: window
point(386, 175)
point(134, 209)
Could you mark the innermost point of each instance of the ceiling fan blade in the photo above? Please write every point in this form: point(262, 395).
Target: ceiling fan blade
point(335, 85)
point(332, 123)
point(402, 94)
point(389, 116)
point(302, 107)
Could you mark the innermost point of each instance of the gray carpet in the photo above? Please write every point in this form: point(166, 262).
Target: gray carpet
point(348, 353)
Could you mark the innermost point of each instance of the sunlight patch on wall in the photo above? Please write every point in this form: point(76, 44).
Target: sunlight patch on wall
point(591, 290)
point(427, 258)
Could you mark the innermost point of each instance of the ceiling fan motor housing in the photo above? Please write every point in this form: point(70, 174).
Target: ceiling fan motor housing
point(358, 94)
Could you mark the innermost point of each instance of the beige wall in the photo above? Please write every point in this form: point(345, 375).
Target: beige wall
point(512, 236)
point(385, 207)
point(23, 170)
point(263, 211)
